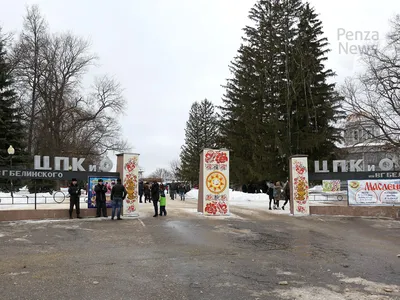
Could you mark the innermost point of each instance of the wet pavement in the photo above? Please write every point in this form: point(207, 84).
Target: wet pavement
point(253, 254)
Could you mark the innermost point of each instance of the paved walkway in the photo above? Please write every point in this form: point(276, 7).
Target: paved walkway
point(252, 254)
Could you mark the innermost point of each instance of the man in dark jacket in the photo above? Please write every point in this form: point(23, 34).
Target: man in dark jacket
point(181, 190)
point(146, 192)
point(155, 196)
point(172, 190)
point(101, 190)
point(74, 192)
point(141, 191)
point(118, 194)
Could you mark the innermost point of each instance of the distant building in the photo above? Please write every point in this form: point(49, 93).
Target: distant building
point(361, 141)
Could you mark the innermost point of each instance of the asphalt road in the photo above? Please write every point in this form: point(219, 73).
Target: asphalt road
point(254, 254)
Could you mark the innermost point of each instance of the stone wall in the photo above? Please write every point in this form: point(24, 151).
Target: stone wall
point(392, 212)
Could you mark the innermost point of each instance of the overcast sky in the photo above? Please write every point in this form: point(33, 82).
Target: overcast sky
point(170, 53)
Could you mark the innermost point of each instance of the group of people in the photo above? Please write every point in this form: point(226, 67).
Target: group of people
point(178, 188)
point(146, 190)
point(158, 195)
point(275, 191)
point(118, 194)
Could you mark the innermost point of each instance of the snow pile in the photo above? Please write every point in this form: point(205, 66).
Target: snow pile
point(238, 198)
point(193, 194)
point(261, 200)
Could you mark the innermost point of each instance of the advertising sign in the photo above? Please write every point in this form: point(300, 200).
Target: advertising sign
point(374, 192)
point(215, 182)
point(108, 182)
point(331, 186)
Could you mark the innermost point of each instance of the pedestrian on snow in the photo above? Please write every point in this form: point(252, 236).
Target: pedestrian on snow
point(163, 202)
point(118, 194)
point(271, 192)
point(172, 190)
point(182, 191)
point(286, 190)
point(74, 192)
point(141, 190)
point(278, 194)
point(101, 190)
point(155, 196)
point(147, 192)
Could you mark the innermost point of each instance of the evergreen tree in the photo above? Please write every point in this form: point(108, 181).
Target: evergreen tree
point(11, 129)
point(200, 132)
point(317, 104)
point(278, 102)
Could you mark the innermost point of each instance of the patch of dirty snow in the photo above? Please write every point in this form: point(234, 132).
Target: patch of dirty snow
point(318, 293)
point(71, 227)
point(287, 273)
point(235, 231)
point(47, 221)
point(370, 286)
point(16, 274)
point(22, 240)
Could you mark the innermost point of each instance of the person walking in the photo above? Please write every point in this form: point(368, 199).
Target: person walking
point(271, 192)
point(172, 190)
point(101, 190)
point(155, 197)
point(277, 194)
point(181, 190)
point(74, 192)
point(286, 190)
point(118, 194)
point(141, 190)
point(147, 192)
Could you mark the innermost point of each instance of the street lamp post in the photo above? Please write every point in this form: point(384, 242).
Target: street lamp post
point(11, 152)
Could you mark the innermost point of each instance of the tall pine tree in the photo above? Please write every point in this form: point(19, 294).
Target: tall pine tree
point(278, 102)
point(200, 132)
point(11, 129)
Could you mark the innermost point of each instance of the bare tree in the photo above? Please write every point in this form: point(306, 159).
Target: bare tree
point(61, 117)
point(175, 169)
point(161, 173)
point(27, 63)
point(375, 94)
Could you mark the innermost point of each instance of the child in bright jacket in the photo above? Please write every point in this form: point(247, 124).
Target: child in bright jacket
point(163, 203)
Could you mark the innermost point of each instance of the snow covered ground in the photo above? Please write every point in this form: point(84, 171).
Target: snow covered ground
point(262, 200)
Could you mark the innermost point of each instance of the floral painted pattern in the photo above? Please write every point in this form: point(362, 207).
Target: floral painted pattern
point(300, 186)
point(216, 182)
point(131, 184)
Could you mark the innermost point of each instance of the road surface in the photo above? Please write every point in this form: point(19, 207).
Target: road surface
point(253, 254)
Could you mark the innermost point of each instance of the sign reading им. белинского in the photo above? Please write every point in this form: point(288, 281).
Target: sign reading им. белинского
point(61, 164)
point(374, 192)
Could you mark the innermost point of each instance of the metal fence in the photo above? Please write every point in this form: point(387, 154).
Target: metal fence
point(57, 198)
point(327, 197)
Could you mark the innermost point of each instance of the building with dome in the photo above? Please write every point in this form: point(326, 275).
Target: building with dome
point(361, 141)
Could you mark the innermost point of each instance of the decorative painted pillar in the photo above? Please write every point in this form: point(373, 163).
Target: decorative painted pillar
point(214, 182)
point(128, 168)
point(299, 185)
